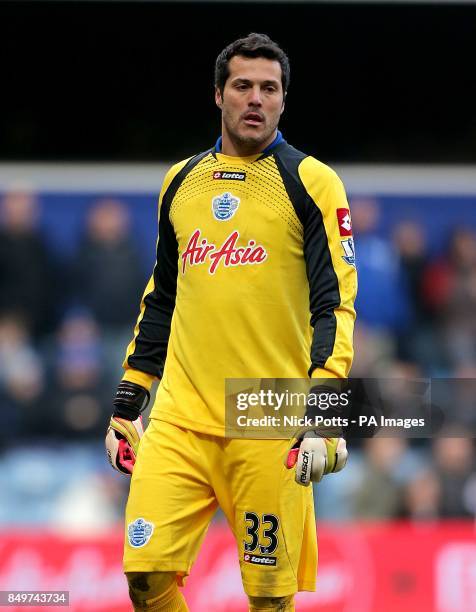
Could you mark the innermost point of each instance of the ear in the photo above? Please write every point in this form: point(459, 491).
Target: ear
point(218, 98)
point(282, 107)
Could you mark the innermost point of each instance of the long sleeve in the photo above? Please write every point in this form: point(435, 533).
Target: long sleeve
point(148, 349)
point(330, 264)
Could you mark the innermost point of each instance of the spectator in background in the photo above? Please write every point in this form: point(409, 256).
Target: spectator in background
point(27, 280)
point(21, 379)
point(410, 243)
point(449, 289)
point(382, 301)
point(455, 465)
point(387, 466)
point(78, 399)
point(106, 273)
point(419, 342)
point(462, 389)
point(422, 496)
point(374, 352)
point(459, 312)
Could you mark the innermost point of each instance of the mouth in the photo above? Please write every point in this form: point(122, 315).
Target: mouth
point(253, 119)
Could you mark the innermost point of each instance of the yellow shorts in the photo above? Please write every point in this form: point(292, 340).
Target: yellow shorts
point(180, 479)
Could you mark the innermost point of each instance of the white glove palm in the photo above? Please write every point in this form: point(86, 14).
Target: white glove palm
point(314, 456)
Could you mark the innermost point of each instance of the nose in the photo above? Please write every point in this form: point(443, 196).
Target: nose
point(255, 96)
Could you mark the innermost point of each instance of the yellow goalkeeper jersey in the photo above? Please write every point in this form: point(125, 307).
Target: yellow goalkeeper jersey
point(255, 278)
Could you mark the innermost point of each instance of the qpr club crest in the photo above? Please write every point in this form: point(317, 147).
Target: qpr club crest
point(139, 532)
point(224, 206)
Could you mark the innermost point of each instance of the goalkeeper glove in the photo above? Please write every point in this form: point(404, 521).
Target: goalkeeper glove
point(316, 452)
point(125, 428)
point(314, 456)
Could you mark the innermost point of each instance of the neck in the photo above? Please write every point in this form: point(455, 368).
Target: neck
point(237, 148)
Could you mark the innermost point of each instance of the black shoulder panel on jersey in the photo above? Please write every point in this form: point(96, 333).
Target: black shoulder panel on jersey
point(287, 159)
point(324, 295)
point(154, 328)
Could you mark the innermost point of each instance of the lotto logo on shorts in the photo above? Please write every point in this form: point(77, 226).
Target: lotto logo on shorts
point(259, 560)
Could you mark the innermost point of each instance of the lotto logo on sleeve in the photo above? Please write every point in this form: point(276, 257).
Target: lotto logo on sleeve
point(345, 222)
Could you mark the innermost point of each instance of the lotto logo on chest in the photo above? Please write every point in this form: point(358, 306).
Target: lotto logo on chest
point(229, 176)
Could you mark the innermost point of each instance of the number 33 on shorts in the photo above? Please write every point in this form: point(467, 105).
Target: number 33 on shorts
point(262, 538)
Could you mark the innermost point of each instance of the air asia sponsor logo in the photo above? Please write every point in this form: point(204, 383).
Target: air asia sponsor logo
point(306, 467)
point(200, 251)
point(345, 222)
point(259, 560)
point(349, 251)
point(230, 176)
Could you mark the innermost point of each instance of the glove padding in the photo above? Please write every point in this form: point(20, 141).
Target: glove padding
point(314, 456)
point(122, 443)
point(125, 428)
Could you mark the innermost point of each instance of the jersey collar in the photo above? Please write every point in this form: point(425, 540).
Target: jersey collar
point(278, 140)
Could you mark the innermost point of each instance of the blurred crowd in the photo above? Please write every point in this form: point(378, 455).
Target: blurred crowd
point(65, 323)
point(416, 313)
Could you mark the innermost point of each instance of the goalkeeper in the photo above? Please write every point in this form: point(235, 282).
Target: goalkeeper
point(255, 278)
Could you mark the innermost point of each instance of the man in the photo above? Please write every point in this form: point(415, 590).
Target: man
point(254, 253)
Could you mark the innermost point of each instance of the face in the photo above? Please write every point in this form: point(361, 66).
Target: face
point(251, 104)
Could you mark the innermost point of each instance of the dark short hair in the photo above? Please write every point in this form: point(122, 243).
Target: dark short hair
point(253, 45)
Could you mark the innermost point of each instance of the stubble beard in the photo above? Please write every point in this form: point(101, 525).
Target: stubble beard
point(248, 142)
